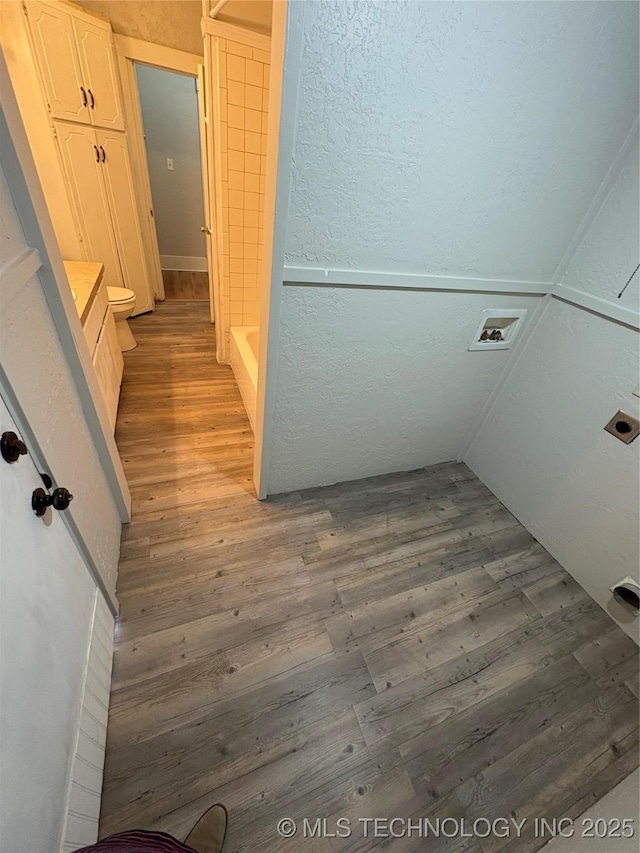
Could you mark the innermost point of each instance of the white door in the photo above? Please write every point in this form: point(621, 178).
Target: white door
point(114, 161)
point(54, 40)
point(99, 73)
point(46, 614)
point(84, 168)
point(205, 146)
point(56, 628)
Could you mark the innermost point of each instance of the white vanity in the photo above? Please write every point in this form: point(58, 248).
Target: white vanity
point(92, 304)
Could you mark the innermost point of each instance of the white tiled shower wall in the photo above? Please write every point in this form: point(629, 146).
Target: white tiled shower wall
point(243, 96)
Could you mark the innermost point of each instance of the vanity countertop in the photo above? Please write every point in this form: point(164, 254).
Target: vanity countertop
point(84, 278)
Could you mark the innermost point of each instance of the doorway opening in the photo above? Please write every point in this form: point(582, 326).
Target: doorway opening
point(169, 109)
point(238, 115)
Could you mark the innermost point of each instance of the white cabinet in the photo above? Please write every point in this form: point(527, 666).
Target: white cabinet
point(92, 324)
point(55, 43)
point(99, 73)
point(84, 170)
point(77, 64)
point(122, 203)
point(98, 171)
point(98, 324)
point(109, 365)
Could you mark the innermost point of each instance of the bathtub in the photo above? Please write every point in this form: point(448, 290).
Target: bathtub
point(244, 362)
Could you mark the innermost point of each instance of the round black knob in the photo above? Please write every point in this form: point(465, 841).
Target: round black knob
point(40, 500)
point(61, 499)
point(11, 447)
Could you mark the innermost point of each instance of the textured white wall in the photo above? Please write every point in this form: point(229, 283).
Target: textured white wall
point(542, 448)
point(445, 138)
point(609, 252)
point(377, 381)
point(461, 138)
point(169, 104)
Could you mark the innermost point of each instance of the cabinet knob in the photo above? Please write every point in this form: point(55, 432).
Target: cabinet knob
point(11, 447)
point(205, 229)
point(93, 100)
point(84, 96)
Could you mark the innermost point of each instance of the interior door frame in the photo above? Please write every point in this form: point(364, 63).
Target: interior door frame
point(206, 146)
point(129, 52)
point(286, 38)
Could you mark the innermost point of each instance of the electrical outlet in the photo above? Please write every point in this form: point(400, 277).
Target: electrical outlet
point(170, 164)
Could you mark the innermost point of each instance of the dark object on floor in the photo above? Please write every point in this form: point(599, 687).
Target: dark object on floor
point(138, 841)
point(207, 836)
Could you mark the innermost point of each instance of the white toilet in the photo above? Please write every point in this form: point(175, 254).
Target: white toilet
point(122, 302)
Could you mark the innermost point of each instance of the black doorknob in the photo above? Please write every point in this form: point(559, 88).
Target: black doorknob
point(11, 447)
point(61, 499)
point(40, 500)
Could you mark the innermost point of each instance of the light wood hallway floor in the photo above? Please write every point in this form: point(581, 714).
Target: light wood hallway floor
point(393, 647)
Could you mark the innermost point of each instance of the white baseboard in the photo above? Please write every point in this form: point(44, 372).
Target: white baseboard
point(183, 262)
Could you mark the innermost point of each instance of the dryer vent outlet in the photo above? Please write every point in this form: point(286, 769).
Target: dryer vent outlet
point(624, 426)
point(627, 592)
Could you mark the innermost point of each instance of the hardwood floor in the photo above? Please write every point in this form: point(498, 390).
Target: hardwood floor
point(185, 284)
point(392, 647)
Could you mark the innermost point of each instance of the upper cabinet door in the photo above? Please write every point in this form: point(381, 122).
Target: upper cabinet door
point(55, 46)
point(99, 73)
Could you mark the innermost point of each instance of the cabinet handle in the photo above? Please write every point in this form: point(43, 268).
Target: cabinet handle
point(95, 148)
point(84, 96)
point(104, 156)
point(93, 100)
